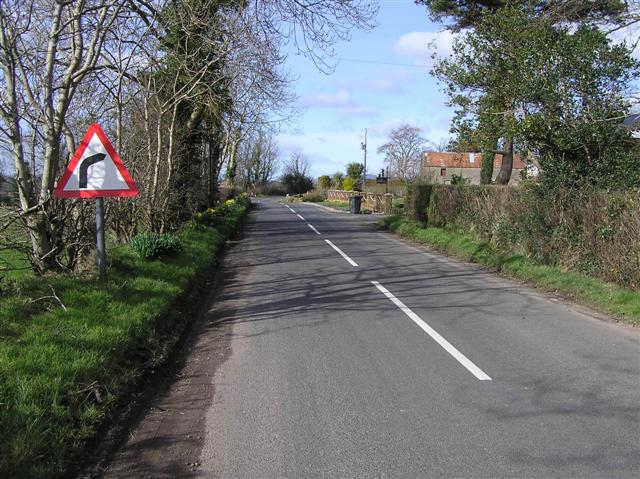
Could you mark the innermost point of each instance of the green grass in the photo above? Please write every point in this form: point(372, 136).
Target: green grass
point(615, 300)
point(337, 205)
point(14, 264)
point(64, 369)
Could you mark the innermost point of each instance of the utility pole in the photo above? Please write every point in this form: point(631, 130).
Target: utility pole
point(364, 173)
point(386, 184)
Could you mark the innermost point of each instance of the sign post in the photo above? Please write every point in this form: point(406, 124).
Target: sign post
point(100, 248)
point(96, 171)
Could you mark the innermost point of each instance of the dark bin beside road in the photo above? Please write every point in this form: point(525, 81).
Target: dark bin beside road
point(355, 202)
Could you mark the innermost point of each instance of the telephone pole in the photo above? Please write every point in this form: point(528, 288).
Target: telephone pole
point(364, 173)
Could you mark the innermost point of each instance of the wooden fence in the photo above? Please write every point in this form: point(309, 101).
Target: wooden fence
point(376, 202)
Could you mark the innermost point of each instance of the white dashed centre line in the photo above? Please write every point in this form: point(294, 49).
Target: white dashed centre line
point(300, 216)
point(313, 228)
point(448, 347)
point(341, 253)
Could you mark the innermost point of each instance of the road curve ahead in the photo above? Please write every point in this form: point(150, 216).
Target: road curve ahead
point(353, 354)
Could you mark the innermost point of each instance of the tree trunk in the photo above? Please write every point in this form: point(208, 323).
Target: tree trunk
point(215, 153)
point(232, 164)
point(507, 165)
point(44, 258)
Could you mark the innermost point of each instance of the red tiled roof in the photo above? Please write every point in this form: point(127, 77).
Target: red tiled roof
point(464, 160)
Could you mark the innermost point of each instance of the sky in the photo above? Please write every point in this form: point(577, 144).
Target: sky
point(381, 81)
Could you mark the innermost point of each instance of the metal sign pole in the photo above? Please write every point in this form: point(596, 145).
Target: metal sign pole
point(100, 248)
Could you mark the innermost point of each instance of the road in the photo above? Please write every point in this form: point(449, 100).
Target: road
point(337, 350)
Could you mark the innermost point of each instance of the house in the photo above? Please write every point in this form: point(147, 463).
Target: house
point(441, 166)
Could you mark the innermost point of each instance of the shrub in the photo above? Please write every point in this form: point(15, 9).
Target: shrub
point(417, 201)
point(274, 189)
point(349, 184)
point(153, 245)
point(354, 170)
point(336, 180)
point(296, 183)
point(219, 215)
point(324, 182)
point(313, 197)
point(459, 180)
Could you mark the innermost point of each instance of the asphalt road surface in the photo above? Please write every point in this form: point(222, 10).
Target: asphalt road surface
point(337, 350)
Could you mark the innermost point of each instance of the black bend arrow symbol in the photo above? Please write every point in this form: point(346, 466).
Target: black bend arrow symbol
point(86, 163)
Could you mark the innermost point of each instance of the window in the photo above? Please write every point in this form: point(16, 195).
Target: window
point(443, 171)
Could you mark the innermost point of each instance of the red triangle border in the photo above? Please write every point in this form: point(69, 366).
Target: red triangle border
point(95, 129)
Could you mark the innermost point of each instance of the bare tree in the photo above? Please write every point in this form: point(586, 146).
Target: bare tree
point(403, 151)
point(47, 52)
point(179, 85)
point(258, 161)
point(314, 27)
point(298, 164)
point(295, 179)
point(259, 89)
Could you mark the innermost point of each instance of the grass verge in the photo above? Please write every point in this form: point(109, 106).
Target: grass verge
point(71, 348)
point(613, 299)
point(336, 205)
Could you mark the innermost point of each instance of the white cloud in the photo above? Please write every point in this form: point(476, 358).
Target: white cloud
point(359, 110)
point(390, 82)
point(419, 46)
point(339, 98)
point(341, 101)
point(384, 129)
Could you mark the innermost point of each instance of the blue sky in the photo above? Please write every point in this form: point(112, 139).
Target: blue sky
point(337, 108)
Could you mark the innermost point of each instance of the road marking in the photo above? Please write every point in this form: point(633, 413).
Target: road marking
point(292, 210)
point(313, 228)
point(341, 253)
point(448, 347)
point(288, 207)
point(300, 216)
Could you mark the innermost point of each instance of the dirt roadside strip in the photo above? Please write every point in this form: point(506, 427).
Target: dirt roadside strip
point(168, 439)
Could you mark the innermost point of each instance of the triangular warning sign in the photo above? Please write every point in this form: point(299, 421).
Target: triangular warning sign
point(96, 170)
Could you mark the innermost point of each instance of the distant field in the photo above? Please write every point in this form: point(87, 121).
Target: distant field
point(397, 188)
point(13, 263)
